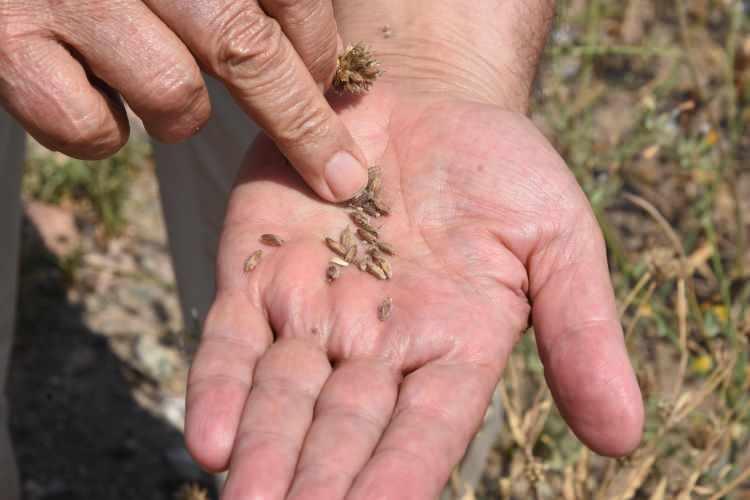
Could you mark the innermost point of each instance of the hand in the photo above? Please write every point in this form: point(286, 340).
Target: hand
point(65, 65)
point(303, 393)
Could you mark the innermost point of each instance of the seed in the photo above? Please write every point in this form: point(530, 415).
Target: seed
point(370, 209)
point(366, 236)
point(381, 206)
point(385, 308)
point(332, 273)
point(252, 261)
point(347, 238)
point(336, 247)
point(376, 271)
point(374, 181)
point(271, 240)
point(359, 218)
point(351, 254)
point(384, 265)
point(386, 248)
point(339, 261)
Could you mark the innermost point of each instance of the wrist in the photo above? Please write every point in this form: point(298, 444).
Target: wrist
point(481, 51)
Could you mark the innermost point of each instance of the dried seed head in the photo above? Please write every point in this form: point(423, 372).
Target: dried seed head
point(366, 236)
point(336, 247)
point(271, 240)
point(332, 273)
point(351, 254)
point(376, 271)
point(252, 261)
point(356, 70)
point(386, 248)
point(385, 308)
point(338, 261)
point(347, 238)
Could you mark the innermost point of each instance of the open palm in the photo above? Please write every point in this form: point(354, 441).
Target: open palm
point(303, 392)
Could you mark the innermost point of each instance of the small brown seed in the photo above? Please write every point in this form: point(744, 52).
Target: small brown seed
point(384, 265)
point(252, 261)
point(339, 261)
point(351, 254)
point(271, 240)
point(381, 206)
point(385, 308)
point(366, 236)
point(336, 247)
point(386, 248)
point(359, 218)
point(370, 209)
point(375, 181)
point(347, 238)
point(332, 273)
point(376, 271)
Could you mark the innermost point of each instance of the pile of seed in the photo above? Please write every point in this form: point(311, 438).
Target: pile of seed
point(363, 248)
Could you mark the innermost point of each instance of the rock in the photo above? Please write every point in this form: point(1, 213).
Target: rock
point(154, 359)
point(56, 226)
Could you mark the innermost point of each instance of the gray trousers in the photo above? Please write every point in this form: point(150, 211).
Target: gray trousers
point(195, 178)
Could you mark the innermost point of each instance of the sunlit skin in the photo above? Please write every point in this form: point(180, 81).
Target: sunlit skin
point(303, 393)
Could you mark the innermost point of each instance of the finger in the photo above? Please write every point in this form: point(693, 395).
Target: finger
point(311, 27)
point(277, 416)
point(581, 342)
point(48, 91)
point(439, 409)
point(132, 50)
point(235, 336)
point(352, 411)
point(248, 51)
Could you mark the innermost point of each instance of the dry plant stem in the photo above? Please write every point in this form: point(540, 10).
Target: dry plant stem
point(634, 292)
point(732, 485)
point(639, 313)
point(707, 457)
point(681, 287)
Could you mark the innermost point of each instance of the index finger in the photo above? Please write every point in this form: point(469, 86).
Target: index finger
point(248, 51)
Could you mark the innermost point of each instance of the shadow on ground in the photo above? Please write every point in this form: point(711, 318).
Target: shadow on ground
point(78, 432)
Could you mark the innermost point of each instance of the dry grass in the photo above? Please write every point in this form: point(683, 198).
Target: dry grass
point(649, 103)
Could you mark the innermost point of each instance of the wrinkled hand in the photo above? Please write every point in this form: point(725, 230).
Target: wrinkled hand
point(303, 393)
point(63, 64)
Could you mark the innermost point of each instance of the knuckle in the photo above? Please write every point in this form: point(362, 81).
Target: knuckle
point(179, 92)
point(248, 45)
point(91, 136)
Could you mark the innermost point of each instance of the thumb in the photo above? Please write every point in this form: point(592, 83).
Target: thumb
point(580, 339)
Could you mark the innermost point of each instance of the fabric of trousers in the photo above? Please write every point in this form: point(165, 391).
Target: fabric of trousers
point(195, 178)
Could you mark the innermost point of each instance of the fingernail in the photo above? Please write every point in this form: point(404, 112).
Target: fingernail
point(345, 175)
